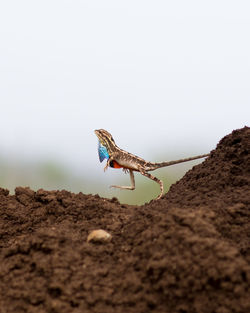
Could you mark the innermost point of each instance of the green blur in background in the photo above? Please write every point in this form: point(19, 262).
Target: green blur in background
point(51, 175)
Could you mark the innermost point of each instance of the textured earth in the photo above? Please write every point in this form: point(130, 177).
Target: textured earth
point(188, 252)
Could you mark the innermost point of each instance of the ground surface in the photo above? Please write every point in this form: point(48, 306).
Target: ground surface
point(188, 252)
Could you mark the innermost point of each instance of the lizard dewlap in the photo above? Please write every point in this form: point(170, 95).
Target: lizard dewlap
point(102, 152)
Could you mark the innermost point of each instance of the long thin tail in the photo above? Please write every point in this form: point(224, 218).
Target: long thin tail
point(163, 164)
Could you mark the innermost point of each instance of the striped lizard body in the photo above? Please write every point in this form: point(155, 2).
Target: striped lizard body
point(118, 158)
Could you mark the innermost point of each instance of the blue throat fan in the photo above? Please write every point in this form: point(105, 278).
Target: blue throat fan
point(102, 152)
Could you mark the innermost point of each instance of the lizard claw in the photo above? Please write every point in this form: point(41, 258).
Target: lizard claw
point(106, 166)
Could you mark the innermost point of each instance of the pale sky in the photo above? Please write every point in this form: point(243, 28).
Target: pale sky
point(164, 77)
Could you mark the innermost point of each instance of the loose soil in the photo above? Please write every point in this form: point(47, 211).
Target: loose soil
point(188, 252)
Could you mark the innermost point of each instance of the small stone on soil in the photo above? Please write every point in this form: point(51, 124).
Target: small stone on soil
point(99, 236)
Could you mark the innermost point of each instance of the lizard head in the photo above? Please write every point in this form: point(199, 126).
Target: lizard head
point(105, 138)
point(106, 145)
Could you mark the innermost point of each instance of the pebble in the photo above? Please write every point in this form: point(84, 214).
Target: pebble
point(99, 236)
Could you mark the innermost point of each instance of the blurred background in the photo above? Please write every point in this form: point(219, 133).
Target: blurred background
point(168, 79)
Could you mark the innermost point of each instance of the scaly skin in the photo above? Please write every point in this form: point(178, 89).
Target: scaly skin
point(119, 158)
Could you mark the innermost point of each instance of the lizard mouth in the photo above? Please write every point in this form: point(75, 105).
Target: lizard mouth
point(97, 133)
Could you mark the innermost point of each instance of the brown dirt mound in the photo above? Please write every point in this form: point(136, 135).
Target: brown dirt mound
point(188, 252)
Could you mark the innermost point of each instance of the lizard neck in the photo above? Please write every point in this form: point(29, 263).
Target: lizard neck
point(112, 148)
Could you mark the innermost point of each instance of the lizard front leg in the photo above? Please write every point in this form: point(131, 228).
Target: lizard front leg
point(107, 164)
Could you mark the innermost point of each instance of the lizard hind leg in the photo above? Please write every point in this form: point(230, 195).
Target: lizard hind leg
point(160, 182)
point(132, 178)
